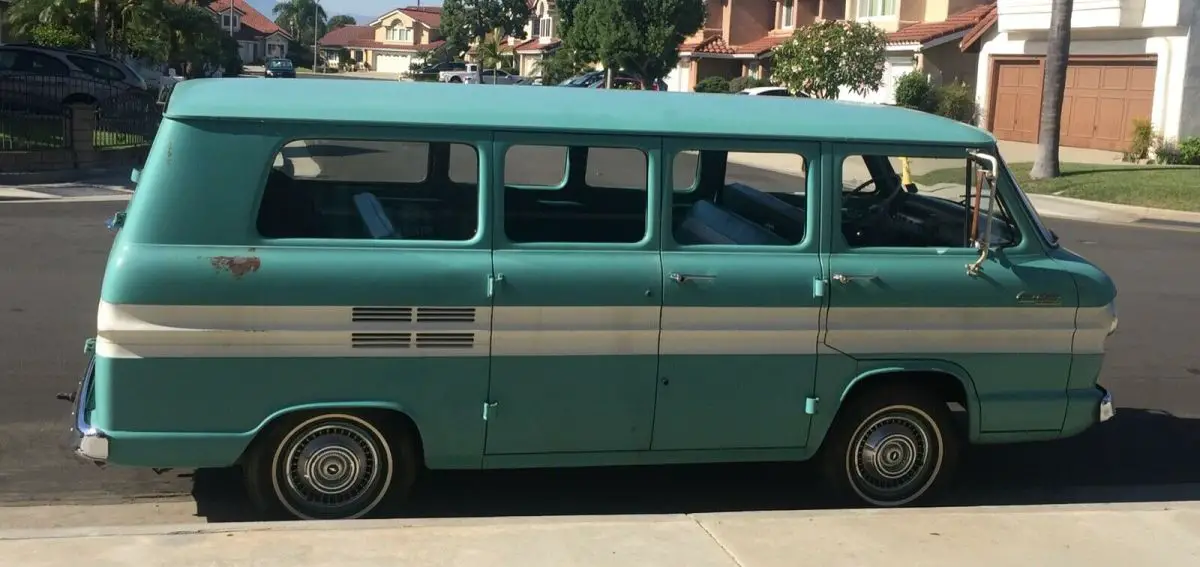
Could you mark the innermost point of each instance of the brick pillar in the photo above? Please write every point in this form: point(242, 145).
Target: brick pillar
point(83, 128)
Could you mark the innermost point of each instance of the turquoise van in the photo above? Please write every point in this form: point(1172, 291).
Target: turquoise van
point(336, 285)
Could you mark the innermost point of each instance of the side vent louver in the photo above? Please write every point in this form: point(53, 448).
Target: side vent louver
point(445, 340)
point(388, 314)
point(381, 340)
point(445, 315)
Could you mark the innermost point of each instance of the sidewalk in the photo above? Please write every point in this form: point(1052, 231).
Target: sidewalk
point(1160, 534)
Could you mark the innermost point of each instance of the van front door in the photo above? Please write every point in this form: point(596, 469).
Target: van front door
point(900, 289)
point(577, 296)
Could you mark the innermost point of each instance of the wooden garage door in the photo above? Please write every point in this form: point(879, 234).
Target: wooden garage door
point(1101, 101)
point(1018, 97)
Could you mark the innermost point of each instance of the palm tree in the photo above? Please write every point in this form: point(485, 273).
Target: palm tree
point(491, 50)
point(296, 16)
point(1054, 84)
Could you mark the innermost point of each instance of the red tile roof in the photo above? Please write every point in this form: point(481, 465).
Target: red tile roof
point(259, 24)
point(347, 35)
point(533, 46)
point(926, 32)
point(428, 15)
point(714, 45)
point(985, 23)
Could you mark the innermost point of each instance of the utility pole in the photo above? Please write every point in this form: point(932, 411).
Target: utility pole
point(316, 13)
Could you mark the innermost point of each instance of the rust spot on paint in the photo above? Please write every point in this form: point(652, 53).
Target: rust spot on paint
point(236, 265)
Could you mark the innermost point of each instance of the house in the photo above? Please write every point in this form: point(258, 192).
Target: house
point(924, 36)
point(1129, 59)
point(393, 41)
point(257, 36)
point(540, 40)
point(738, 36)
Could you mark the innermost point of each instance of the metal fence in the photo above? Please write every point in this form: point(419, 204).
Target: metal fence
point(35, 111)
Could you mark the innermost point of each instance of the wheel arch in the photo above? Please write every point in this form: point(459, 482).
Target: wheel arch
point(948, 380)
point(392, 413)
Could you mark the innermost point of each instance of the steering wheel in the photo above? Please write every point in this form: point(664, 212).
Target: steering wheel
point(864, 185)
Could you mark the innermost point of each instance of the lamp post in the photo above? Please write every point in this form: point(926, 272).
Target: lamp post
point(316, 19)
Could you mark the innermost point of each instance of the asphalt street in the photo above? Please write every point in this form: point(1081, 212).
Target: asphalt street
point(53, 256)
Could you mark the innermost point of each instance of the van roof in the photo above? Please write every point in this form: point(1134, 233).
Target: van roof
point(516, 107)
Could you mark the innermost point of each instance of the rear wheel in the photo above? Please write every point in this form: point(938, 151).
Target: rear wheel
point(892, 447)
point(328, 466)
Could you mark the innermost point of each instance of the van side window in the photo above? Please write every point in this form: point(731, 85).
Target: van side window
point(601, 196)
point(731, 202)
point(372, 189)
point(535, 166)
point(933, 210)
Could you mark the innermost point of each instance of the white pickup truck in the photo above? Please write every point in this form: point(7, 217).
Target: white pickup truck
point(473, 75)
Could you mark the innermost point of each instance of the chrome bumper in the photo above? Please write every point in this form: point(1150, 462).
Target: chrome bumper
point(88, 443)
point(1106, 411)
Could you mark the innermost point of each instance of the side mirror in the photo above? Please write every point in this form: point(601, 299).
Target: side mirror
point(988, 165)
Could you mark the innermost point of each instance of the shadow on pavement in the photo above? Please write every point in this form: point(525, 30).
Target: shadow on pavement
point(1114, 462)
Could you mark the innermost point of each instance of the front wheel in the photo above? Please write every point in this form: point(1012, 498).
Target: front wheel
point(892, 447)
point(330, 466)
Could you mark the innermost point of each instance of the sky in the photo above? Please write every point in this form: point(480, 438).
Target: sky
point(363, 10)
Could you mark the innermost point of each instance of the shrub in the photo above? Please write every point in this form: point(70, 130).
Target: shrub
point(713, 85)
point(913, 90)
point(1166, 152)
point(1143, 139)
point(747, 82)
point(1189, 151)
point(956, 101)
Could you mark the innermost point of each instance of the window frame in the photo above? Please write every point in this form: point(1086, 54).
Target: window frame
point(877, 9)
point(649, 145)
point(834, 193)
point(814, 196)
point(787, 14)
point(478, 140)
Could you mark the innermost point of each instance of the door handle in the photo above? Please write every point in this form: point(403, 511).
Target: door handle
point(681, 278)
point(847, 278)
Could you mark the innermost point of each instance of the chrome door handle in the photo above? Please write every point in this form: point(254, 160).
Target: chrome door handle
point(847, 278)
point(680, 278)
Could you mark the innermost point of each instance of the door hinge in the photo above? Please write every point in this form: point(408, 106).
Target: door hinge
point(810, 405)
point(487, 407)
point(89, 346)
point(819, 287)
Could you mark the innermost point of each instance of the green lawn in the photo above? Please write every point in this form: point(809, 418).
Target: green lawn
point(42, 134)
point(1158, 186)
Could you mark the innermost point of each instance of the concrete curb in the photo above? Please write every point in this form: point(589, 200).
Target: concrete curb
point(1135, 214)
point(524, 521)
point(59, 176)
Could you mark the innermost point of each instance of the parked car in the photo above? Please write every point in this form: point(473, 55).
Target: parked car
point(279, 67)
point(595, 80)
point(770, 91)
point(45, 78)
point(472, 74)
point(590, 319)
point(433, 72)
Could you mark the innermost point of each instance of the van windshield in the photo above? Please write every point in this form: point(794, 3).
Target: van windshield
point(279, 64)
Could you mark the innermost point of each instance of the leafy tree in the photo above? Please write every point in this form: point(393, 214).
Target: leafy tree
point(640, 36)
point(58, 35)
point(340, 21)
point(822, 58)
point(466, 21)
point(560, 65)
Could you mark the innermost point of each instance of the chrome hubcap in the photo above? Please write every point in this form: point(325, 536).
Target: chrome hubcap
point(331, 466)
point(891, 457)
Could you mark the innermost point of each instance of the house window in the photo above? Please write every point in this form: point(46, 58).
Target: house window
point(546, 27)
point(397, 33)
point(876, 8)
point(405, 34)
point(535, 28)
point(225, 21)
point(787, 14)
